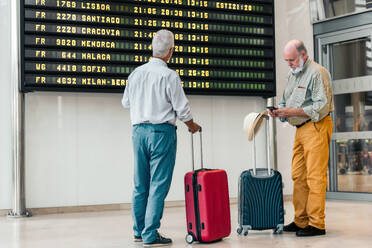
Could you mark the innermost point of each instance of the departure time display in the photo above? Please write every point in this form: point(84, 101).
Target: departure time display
point(221, 47)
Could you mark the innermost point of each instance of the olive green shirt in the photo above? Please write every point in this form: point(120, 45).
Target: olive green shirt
point(311, 89)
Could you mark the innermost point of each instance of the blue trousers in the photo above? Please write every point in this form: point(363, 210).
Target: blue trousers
point(155, 147)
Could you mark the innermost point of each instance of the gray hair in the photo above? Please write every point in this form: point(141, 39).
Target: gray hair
point(300, 46)
point(162, 42)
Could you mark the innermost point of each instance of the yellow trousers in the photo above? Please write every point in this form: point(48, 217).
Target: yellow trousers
point(309, 172)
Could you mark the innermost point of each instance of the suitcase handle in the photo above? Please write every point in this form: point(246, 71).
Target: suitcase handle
point(268, 148)
point(201, 150)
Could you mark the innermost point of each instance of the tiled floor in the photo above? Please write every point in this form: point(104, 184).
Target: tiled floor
point(349, 224)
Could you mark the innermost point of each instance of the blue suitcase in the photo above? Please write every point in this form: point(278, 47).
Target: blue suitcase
point(260, 198)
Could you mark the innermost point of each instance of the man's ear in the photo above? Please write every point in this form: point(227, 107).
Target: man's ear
point(303, 53)
point(170, 53)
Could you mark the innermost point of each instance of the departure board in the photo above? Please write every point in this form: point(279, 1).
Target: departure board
point(221, 47)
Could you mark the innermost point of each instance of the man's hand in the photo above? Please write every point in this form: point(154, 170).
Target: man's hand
point(272, 113)
point(193, 126)
point(283, 112)
point(289, 112)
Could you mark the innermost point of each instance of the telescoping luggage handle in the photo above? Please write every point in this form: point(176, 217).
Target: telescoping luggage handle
point(268, 148)
point(201, 150)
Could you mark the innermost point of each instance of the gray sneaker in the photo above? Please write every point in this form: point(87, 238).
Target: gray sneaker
point(159, 241)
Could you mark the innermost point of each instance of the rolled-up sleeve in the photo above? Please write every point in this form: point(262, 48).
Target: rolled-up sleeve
point(318, 98)
point(178, 99)
point(282, 104)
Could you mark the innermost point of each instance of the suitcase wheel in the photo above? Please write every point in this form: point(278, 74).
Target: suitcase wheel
point(243, 229)
point(189, 238)
point(278, 229)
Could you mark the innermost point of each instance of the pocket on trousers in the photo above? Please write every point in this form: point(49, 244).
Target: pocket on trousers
point(316, 127)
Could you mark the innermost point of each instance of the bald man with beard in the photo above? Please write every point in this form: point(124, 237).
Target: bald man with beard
point(306, 104)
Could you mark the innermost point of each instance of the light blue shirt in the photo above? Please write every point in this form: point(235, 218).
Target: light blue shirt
point(155, 95)
point(311, 90)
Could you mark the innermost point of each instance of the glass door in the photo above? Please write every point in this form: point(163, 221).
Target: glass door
point(348, 57)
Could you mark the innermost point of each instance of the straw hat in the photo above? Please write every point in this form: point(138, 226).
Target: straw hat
point(253, 123)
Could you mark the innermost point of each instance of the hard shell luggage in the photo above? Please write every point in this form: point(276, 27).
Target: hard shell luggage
point(207, 203)
point(260, 197)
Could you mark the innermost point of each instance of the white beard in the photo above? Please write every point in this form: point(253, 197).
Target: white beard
point(299, 68)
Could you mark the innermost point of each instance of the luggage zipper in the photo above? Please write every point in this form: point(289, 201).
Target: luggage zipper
point(196, 206)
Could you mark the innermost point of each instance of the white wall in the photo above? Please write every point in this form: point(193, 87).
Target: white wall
point(79, 152)
point(78, 146)
point(292, 19)
point(5, 107)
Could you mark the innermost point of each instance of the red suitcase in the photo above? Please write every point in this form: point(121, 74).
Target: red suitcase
point(207, 203)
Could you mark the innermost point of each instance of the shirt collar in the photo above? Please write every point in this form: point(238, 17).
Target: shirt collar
point(158, 61)
point(307, 63)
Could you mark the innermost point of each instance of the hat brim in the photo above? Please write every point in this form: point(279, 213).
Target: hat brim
point(257, 124)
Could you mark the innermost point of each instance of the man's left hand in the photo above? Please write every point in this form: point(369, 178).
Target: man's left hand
point(290, 112)
point(283, 112)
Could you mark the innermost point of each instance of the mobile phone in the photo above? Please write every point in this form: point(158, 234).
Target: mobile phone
point(272, 108)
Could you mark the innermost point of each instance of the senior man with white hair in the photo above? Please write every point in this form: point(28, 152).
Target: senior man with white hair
point(306, 103)
point(156, 98)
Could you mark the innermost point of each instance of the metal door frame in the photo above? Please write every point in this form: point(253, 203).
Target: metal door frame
point(324, 41)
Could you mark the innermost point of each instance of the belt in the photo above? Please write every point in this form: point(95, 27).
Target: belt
point(298, 126)
point(148, 122)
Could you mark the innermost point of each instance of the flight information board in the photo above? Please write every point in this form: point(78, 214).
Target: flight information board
point(221, 47)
